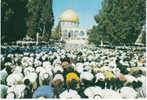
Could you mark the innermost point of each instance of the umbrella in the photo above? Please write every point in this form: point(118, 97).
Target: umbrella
point(45, 91)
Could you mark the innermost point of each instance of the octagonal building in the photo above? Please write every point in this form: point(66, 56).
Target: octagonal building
point(70, 30)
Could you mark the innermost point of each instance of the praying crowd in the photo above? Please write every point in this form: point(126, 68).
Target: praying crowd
point(95, 73)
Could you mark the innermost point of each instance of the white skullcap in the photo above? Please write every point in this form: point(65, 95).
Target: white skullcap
point(46, 75)
point(108, 94)
point(58, 76)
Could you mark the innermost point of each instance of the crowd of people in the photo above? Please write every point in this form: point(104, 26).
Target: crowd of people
point(73, 73)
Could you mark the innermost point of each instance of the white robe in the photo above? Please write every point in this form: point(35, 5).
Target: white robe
point(18, 90)
point(14, 78)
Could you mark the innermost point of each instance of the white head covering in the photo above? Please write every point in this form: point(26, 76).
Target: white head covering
point(25, 54)
point(142, 79)
point(58, 68)
point(46, 63)
point(130, 78)
point(69, 94)
point(45, 75)
point(92, 92)
point(99, 76)
point(43, 72)
point(10, 96)
point(128, 92)
point(28, 70)
point(106, 68)
point(108, 93)
point(18, 69)
point(37, 63)
point(86, 75)
point(39, 69)
point(31, 76)
point(90, 57)
point(30, 61)
point(79, 67)
point(58, 76)
point(25, 61)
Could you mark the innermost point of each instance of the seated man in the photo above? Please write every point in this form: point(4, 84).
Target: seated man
point(72, 81)
point(44, 91)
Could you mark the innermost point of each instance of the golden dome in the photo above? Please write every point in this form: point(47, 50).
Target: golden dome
point(69, 15)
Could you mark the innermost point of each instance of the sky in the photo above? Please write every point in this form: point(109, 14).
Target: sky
point(85, 9)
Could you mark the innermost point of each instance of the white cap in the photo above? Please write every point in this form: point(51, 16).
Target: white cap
point(86, 75)
point(58, 76)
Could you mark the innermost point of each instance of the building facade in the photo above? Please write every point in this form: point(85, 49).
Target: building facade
point(70, 30)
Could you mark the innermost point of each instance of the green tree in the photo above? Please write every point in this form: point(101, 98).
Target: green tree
point(47, 17)
point(119, 21)
point(13, 19)
point(41, 18)
point(34, 21)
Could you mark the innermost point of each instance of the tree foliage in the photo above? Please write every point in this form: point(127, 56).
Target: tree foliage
point(41, 18)
point(119, 22)
point(14, 14)
point(33, 24)
point(26, 17)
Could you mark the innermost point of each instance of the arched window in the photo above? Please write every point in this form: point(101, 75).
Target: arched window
point(76, 33)
point(70, 34)
point(82, 33)
point(65, 32)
